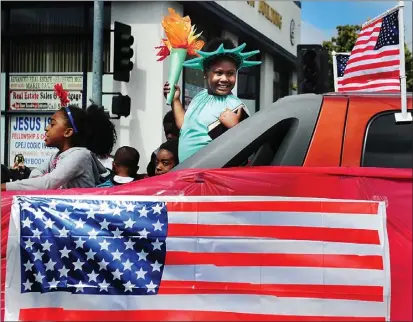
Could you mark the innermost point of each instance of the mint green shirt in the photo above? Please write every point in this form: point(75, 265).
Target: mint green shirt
point(203, 110)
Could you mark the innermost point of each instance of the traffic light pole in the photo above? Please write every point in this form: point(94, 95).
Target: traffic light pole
point(98, 17)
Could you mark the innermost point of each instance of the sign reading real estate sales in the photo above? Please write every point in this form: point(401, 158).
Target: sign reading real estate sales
point(36, 92)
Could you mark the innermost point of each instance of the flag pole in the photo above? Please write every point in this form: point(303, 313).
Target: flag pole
point(335, 71)
point(404, 116)
point(368, 22)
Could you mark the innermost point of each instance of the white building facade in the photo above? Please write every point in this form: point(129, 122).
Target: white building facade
point(273, 27)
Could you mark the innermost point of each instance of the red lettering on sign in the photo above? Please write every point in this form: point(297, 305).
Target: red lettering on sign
point(31, 95)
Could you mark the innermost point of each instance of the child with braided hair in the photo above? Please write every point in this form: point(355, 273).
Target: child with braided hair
point(81, 136)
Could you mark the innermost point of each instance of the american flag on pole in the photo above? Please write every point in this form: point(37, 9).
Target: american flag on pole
point(341, 63)
point(374, 63)
point(197, 258)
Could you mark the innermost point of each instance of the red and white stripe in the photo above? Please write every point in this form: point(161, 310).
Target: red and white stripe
point(243, 258)
point(370, 70)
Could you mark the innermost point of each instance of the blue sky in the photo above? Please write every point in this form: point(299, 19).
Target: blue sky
point(320, 18)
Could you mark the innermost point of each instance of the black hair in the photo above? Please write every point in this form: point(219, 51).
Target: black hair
point(212, 46)
point(95, 131)
point(171, 146)
point(169, 124)
point(169, 118)
point(128, 157)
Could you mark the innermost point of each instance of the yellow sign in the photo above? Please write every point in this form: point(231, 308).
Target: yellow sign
point(270, 13)
point(251, 3)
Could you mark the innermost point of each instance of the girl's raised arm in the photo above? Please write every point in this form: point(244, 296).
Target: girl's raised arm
point(177, 108)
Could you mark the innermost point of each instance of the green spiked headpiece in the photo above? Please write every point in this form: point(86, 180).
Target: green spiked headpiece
point(236, 54)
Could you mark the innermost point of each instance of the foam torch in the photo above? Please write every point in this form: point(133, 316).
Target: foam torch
point(181, 40)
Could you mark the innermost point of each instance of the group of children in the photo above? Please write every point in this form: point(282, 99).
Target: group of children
point(72, 131)
point(165, 158)
point(83, 135)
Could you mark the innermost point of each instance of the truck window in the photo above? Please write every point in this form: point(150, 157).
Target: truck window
point(263, 150)
point(388, 144)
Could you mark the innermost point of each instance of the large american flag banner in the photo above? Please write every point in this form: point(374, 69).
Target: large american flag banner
point(374, 63)
point(197, 258)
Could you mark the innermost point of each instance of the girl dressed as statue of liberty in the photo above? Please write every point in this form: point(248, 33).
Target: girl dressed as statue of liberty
point(214, 109)
point(216, 105)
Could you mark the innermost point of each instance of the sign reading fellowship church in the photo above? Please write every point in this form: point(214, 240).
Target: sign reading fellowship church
point(27, 133)
point(268, 12)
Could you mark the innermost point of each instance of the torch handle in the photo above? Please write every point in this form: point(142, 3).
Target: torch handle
point(170, 95)
point(177, 59)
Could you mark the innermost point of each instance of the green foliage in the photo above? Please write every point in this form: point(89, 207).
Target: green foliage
point(344, 42)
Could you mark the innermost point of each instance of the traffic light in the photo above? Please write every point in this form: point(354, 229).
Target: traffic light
point(121, 105)
point(312, 65)
point(122, 55)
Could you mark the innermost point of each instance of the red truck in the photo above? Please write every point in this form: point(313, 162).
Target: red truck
point(330, 130)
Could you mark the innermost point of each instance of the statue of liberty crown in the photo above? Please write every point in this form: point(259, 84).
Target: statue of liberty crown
point(236, 53)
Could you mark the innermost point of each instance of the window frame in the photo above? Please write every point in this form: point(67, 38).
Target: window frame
point(255, 149)
point(366, 132)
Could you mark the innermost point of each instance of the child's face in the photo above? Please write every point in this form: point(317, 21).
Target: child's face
point(171, 132)
point(57, 131)
point(164, 162)
point(221, 77)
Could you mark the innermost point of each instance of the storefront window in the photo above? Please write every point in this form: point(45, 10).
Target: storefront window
point(4, 46)
point(45, 38)
point(246, 85)
point(48, 55)
point(276, 86)
point(47, 20)
point(193, 84)
point(248, 80)
point(281, 85)
point(3, 19)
